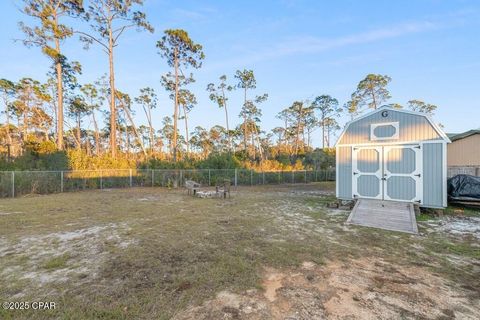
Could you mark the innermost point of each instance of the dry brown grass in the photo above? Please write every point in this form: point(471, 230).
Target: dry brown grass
point(152, 253)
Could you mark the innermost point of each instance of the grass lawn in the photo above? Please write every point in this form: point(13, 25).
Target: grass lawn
point(268, 252)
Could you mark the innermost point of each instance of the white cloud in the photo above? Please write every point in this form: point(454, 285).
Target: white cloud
point(313, 45)
point(203, 14)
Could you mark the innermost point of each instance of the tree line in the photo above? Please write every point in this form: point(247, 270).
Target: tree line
point(55, 113)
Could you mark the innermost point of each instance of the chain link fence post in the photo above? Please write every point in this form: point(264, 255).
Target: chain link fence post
point(236, 177)
point(209, 178)
point(131, 181)
point(305, 173)
point(293, 177)
point(13, 184)
point(153, 178)
point(61, 181)
point(101, 180)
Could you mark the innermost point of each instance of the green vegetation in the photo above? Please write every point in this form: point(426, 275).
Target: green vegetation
point(468, 212)
point(58, 262)
point(41, 156)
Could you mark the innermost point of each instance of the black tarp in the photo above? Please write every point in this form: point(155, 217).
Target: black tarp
point(464, 187)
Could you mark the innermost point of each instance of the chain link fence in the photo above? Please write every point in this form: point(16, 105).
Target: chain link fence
point(17, 183)
point(471, 170)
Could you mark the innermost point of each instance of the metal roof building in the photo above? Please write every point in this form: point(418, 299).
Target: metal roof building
point(393, 154)
point(464, 153)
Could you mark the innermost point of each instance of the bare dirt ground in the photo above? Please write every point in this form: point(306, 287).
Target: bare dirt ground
point(359, 289)
point(273, 252)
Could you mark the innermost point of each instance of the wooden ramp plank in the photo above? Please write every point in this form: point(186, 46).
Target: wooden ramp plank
point(388, 215)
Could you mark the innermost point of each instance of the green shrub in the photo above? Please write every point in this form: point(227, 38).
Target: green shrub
point(220, 161)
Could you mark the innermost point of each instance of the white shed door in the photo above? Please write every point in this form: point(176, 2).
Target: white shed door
point(367, 172)
point(403, 173)
point(388, 173)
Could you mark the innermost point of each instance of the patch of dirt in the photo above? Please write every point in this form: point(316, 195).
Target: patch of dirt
point(9, 213)
point(148, 198)
point(337, 212)
point(321, 193)
point(83, 249)
point(456, 226)
point(358, 289)
point(271, 283)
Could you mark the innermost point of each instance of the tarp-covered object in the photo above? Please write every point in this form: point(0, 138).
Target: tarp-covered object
point(464, 187)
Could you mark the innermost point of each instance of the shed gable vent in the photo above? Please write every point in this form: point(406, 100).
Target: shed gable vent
point(384, 131)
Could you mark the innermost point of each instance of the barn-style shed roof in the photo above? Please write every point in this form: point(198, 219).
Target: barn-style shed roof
point(359, 126)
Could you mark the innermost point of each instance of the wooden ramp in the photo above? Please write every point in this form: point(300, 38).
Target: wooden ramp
point(388, 215)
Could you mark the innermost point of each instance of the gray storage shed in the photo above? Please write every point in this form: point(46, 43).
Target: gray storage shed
point(393, 154)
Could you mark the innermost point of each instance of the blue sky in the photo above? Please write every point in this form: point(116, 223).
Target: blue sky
point(298, 49)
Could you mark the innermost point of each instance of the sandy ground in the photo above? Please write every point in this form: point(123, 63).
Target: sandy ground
point(456, 226)
point(360, 289)
point(159, 247)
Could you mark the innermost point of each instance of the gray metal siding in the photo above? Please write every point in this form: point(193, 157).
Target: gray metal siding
point(411, 128)
point(433, 175)
point(344, 167)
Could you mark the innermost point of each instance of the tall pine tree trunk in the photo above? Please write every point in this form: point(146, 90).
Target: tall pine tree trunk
point(328, 136)
point(245, 123)
point(151, 129)
point(254, 149)
point(25, 126)
point(297, 138)
point(127, 140)
point(323, 132)
point(308, 138)
point(19, 121)
point(187, 142)
point(260, 150)
point(97, 135)
point(79, 137)
point(60, 106)
point(59, 71)
point(134, 128)
point(175, 112)
point(7, 114)
point(226, 121)
point(113, 123)
point(87, 146)
point(373, 98)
